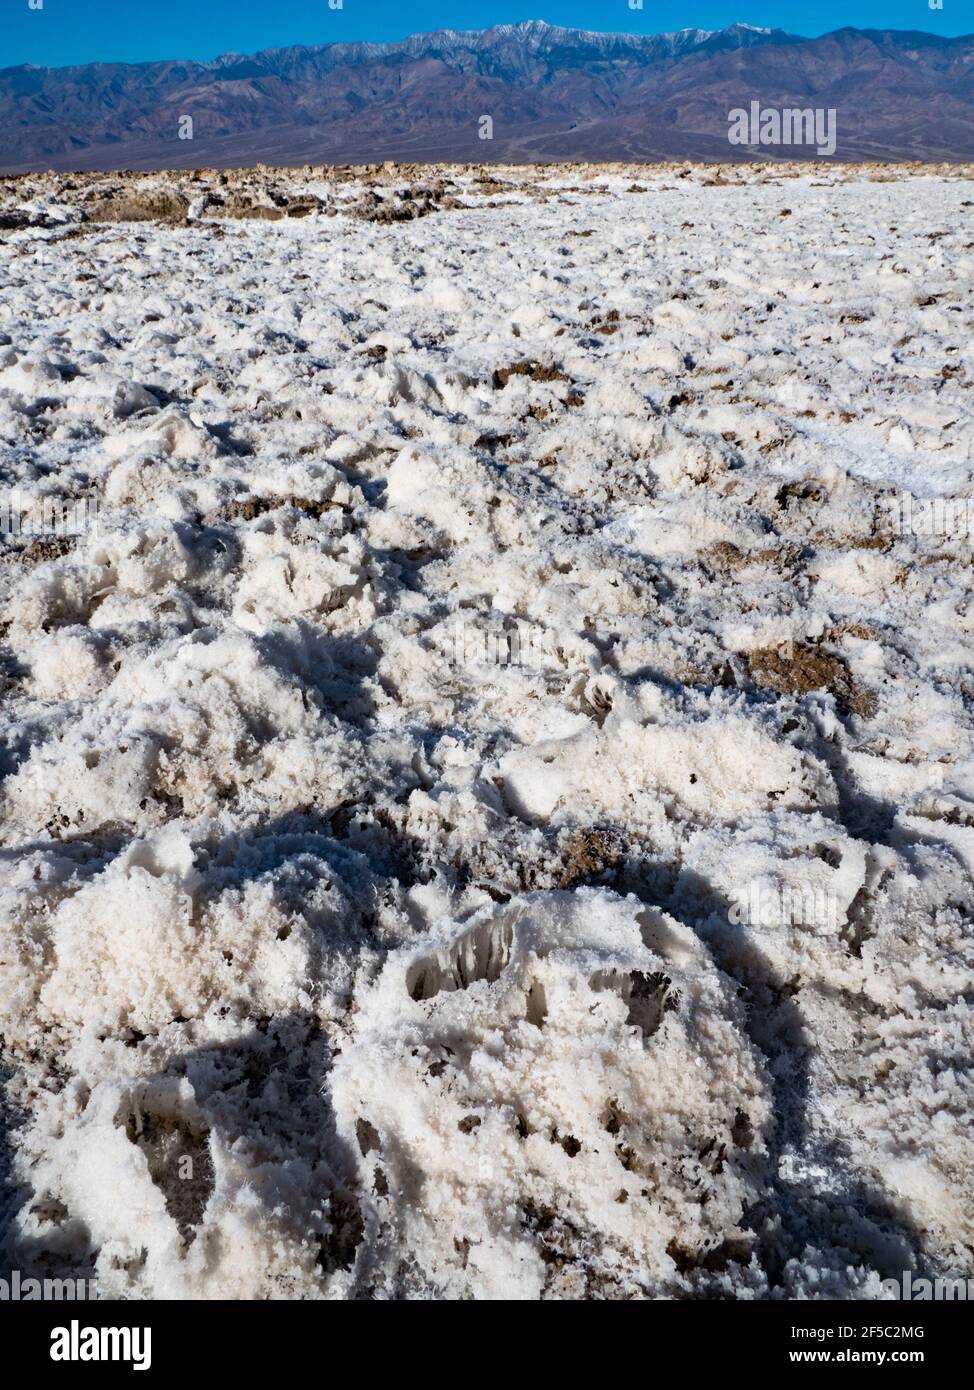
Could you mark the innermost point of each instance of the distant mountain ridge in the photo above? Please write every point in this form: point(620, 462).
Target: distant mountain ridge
point(551, 93)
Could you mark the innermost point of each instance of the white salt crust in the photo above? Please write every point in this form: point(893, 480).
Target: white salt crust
point(333, 966)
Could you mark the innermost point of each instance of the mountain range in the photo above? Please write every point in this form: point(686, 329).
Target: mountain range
point(550, 93)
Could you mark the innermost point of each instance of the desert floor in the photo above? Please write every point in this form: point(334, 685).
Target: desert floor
point(486, 760)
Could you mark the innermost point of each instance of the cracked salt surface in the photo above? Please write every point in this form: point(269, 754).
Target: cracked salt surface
point(334, 966)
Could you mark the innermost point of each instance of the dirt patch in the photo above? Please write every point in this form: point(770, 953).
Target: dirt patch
point(586, 853)
point(409, 204)
point(243, 209)
point(860, 630)
point(163, 205)
point(248, 508)
point(727, 557)
point(271, 206)
point(801, 669)
point(534, 370)
point(41, 550)
point(605, 324)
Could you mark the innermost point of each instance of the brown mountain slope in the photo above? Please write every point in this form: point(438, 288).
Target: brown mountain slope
point(552, 94)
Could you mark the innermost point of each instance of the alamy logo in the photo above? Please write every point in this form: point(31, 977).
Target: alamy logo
point(765, 905)
point(19, 1290)
point(911, 1290)
point(950, 518)
point(47, 516)
point(514, 645)
point(791, 126)
point(77, 1343)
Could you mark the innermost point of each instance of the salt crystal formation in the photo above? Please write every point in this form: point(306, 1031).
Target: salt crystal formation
point(543, 1104)
point(500, 615)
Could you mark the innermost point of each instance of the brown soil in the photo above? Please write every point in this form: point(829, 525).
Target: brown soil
point(805, 669)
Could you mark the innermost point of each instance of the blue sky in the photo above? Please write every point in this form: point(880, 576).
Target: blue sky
point(81, 31)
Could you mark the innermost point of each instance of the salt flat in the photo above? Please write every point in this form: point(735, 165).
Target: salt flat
point(487, 809)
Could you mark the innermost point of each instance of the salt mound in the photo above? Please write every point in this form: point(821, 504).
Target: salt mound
point(553, 1098)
